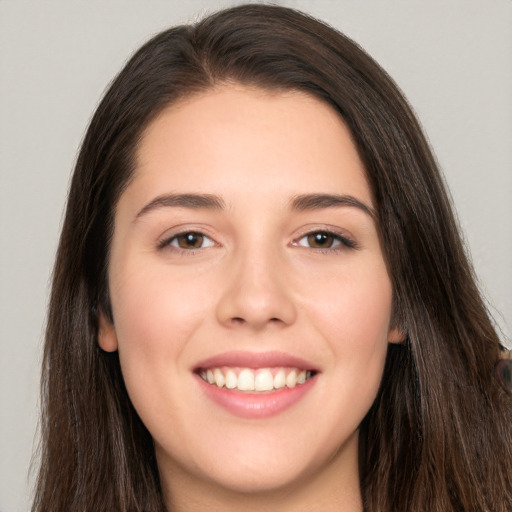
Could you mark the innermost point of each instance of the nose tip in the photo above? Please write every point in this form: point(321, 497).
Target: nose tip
point(256, 298)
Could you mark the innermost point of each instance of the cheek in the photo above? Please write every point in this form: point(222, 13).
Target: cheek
point(354, 317)
point(151, 306)
point(155, 316)
point(357, 308)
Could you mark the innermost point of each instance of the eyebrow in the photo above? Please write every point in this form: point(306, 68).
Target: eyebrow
point(193, 201)
point(303, 202)
point(306, 202)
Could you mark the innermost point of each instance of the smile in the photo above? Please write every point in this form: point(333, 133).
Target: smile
point(259, 380)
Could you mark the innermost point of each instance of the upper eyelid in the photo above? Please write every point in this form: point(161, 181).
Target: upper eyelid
point(324, 228)
point(175, 231)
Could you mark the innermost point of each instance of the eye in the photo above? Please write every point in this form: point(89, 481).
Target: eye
point(189, 241)
point(325, 240)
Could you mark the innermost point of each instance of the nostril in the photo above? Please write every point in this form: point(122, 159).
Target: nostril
point(240, 320)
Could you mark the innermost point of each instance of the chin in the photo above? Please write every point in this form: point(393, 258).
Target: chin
point(267, 466)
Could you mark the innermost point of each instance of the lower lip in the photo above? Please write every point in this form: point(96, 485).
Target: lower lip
point(256, 405)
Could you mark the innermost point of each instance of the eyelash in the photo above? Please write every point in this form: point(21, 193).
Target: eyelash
point(338, 242)
point(344, 241)
point(169, 242)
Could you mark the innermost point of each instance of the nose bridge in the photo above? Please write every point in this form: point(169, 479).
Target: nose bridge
point(256, 291)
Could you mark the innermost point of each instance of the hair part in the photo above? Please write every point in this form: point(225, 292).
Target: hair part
point(437, 438)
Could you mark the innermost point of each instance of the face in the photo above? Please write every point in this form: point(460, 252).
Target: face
point(250, 297)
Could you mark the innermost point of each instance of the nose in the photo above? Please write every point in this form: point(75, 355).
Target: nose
point(256, 293)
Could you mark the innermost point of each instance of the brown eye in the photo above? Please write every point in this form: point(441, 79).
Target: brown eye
point(325, 240)
point(320, 240)
point(191, 240)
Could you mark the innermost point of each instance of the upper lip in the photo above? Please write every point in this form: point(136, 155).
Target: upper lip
point(255, 360)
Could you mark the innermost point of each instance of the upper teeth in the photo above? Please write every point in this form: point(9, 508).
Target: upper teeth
point(247, 379)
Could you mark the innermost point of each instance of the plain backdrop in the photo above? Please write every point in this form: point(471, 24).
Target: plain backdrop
point(452, 58)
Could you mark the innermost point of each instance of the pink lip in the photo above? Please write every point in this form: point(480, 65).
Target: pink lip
point(255, 405)
point(255, 360)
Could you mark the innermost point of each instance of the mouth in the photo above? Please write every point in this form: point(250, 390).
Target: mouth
point(255, 385)
point(259, 380)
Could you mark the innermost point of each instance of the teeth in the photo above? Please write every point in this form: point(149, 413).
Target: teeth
point(231, 379)
point(263, 379)
point(280, 379)
point(291, 379)
point(246, 380)
point(219, 378)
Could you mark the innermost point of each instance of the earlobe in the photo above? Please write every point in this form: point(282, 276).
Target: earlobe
point(107, 338)
point(396, 336)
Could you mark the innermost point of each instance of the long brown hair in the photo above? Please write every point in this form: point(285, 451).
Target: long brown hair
point(438, 437)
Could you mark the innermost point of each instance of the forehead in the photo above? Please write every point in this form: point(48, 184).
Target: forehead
point(234, 136)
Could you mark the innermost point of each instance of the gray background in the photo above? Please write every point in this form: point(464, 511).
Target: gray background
point(453, 59)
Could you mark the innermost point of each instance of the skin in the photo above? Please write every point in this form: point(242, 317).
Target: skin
point(255, 284)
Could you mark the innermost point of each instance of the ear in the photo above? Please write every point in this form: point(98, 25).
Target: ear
point(396, 336)
point(107, 338)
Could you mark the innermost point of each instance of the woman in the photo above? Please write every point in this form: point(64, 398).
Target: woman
point(260, 298)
